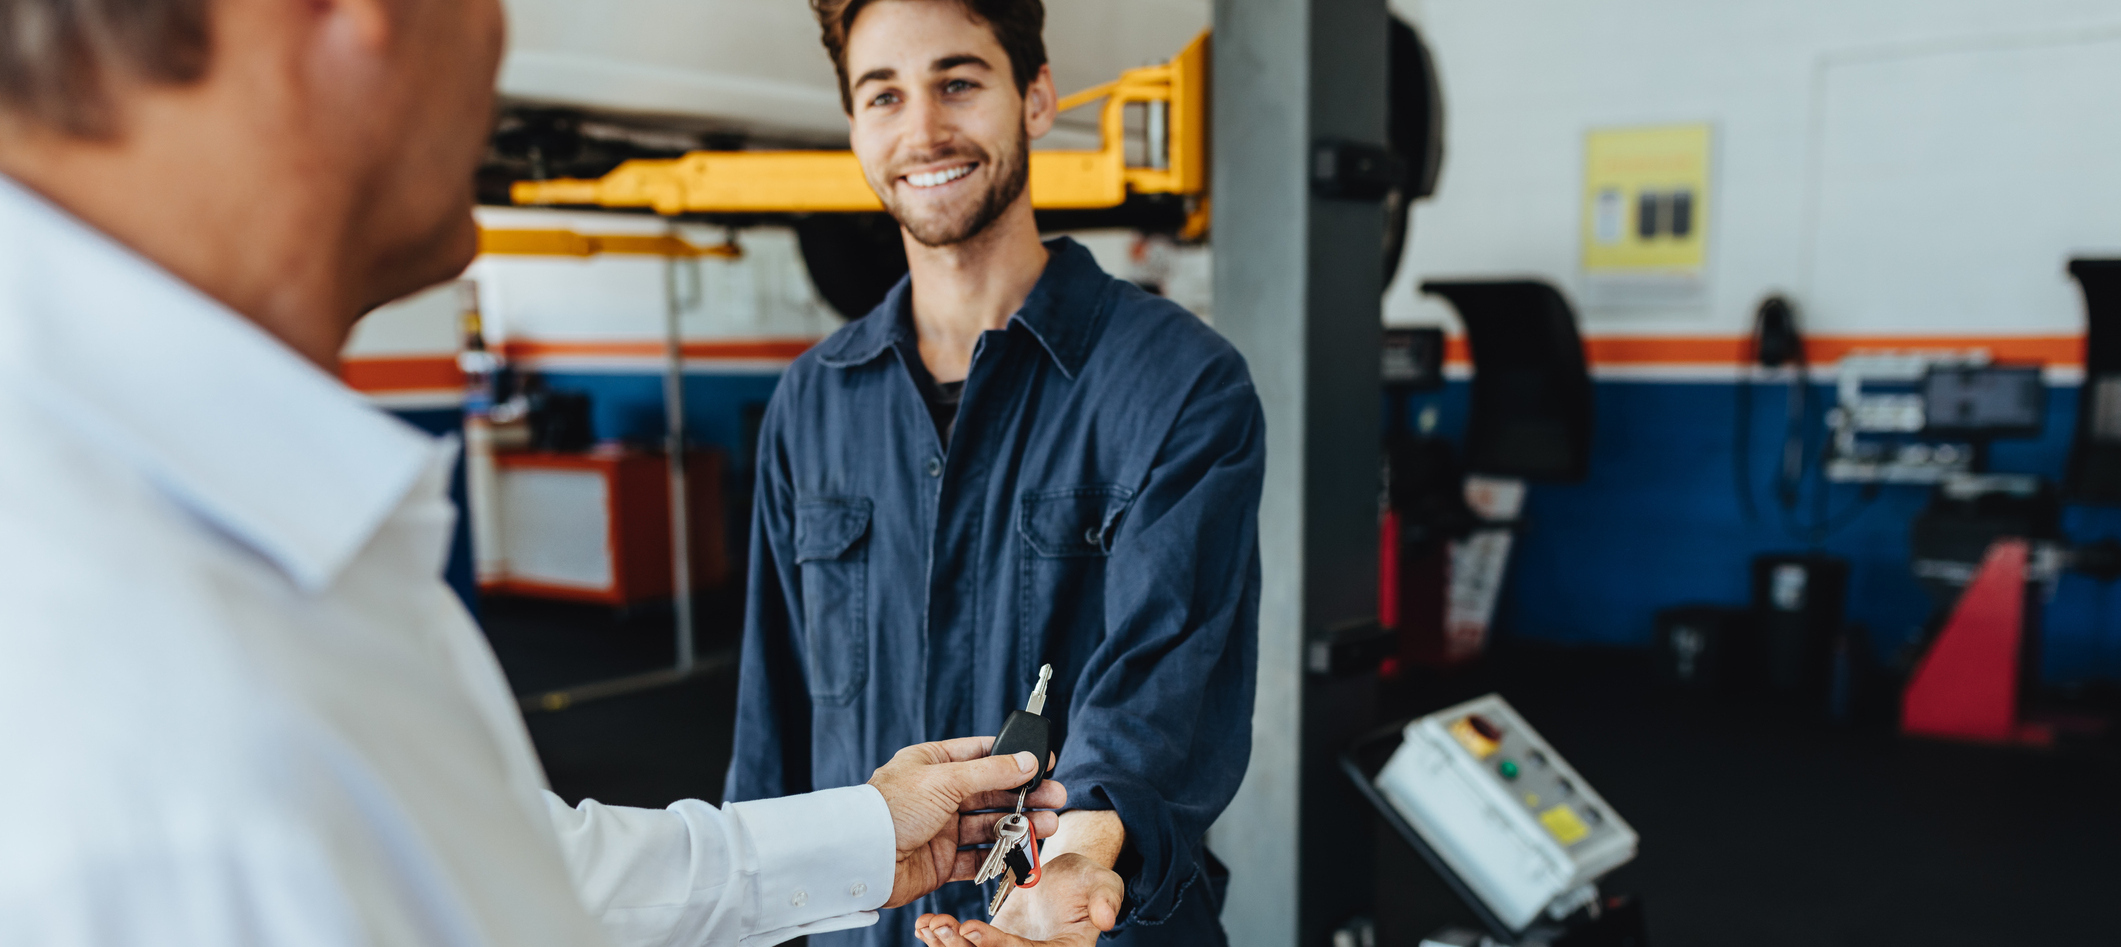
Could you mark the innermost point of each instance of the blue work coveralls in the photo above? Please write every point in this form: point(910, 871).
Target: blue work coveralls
point(1097, 509)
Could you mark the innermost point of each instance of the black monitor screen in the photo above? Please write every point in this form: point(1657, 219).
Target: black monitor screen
point(1414, 357)
point(1993, 401)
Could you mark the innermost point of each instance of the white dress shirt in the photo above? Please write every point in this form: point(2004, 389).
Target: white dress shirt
point(239, 706)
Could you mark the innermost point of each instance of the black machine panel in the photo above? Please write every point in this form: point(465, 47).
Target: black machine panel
point(1413, 359)
point(2095, 457)
point(1531, 414)
point(1799, 601)
point(1991, 401)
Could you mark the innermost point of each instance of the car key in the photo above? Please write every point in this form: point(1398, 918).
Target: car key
point(1019, 869)
point(1014, 858)
point(1008, 837)
point(1025, 732)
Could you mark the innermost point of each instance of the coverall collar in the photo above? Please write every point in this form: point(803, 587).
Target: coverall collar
point(1062, 312)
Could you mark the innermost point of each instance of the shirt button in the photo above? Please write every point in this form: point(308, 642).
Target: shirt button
point(858, 890)
point(800, 899)
point(935, 466)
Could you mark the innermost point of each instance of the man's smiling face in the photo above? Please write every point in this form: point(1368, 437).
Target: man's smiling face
point(938, 123)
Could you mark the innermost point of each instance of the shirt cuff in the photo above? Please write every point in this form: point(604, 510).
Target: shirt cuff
point(820, 857)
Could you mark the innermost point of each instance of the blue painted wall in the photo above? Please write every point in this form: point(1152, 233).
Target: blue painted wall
point(629, 407)
point(1658, 523)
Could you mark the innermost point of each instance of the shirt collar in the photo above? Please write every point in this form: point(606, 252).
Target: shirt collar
point(222, 417)
point(1064, 312)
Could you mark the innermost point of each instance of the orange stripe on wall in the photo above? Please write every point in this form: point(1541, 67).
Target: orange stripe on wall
point(1623, 350)
point(422, 373)
point(1735, 350)
point(437, 372)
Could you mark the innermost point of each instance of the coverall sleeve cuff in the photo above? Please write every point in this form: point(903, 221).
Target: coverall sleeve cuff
point(1165, 871)
point(824, 860)
point(1134, 909)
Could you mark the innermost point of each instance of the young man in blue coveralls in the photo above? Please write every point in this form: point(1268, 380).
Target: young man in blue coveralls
point(1014, 460)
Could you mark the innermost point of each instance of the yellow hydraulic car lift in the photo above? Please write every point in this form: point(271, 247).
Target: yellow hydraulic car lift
point(1175, 96)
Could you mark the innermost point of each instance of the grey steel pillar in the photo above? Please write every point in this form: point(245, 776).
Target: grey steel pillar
point(1298, 284)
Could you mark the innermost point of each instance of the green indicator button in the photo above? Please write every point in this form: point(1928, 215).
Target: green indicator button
point(1508, 769)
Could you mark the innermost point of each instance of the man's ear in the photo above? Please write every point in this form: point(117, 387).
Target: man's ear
point(1039, 104)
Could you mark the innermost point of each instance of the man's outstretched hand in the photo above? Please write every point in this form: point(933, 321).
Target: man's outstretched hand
point(933, 790)
point(1075, 900)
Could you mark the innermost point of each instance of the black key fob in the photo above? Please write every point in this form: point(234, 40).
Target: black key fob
point(1026, 732)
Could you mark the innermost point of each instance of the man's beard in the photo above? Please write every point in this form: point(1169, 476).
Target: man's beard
point(1015, 174)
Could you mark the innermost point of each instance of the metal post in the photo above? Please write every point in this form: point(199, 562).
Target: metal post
point(1298, 282)
point(687, 664)
point(674, 413)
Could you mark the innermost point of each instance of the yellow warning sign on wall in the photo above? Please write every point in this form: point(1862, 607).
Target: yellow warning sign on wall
point(1646, 200)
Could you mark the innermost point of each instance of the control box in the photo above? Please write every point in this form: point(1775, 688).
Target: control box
point(1518, 825)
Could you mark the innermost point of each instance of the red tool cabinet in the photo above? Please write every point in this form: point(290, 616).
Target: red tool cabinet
point(595, 527)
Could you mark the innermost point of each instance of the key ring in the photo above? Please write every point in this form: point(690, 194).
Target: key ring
point(1031, 842)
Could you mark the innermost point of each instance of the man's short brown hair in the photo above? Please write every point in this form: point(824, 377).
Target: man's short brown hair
point(1019, 25)
point(56, 56)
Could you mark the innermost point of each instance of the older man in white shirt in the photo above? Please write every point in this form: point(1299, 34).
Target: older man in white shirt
point(237, 704)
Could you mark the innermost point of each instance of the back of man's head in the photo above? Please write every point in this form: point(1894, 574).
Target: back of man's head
point(1019, 25)
point(57, 56)
point(302, 161)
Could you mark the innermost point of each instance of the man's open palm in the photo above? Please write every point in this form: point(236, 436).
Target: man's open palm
point(1075, 900)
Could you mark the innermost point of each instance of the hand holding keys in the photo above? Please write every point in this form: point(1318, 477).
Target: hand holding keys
point(1014, 858)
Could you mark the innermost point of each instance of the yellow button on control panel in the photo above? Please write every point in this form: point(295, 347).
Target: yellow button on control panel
point(1563, 823)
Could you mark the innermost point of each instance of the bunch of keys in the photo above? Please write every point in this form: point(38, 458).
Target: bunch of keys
point(1014, 858)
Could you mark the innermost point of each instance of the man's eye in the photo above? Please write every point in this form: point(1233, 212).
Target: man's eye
point(959, 85)
point(888, 98)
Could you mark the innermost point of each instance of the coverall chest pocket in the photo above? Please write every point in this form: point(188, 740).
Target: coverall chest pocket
point(832, 552)
point(1067, 538)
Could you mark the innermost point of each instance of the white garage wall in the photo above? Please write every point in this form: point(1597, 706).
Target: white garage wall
point(1899, 166)
point(757, 64)
point(765, 295)
point(1952, 180)
point(422, 324)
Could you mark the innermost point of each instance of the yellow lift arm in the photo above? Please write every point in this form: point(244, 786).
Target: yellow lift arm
point(1175, 95)
point(570, 243)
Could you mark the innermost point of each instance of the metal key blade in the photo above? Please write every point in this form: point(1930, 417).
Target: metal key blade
point(995, 864)
point(1001, 893)
point(1037, 703)
point(1008, 834)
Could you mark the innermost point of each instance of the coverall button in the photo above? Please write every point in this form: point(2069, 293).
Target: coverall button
point(935, 466)
point(1093, 536)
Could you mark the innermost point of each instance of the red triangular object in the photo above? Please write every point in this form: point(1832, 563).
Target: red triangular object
point(1966, 687)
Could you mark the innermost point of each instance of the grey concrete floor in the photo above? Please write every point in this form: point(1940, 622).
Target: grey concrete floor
point(645, 749)
point(1760, 825)
point(1763, 824)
